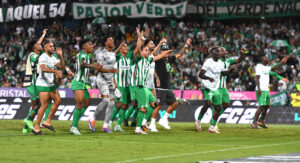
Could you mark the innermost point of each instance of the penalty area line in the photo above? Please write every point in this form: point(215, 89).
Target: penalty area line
point(205, 152)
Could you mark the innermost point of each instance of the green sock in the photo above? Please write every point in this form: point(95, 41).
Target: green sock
point(149, 113)
point(222, 111)
point(121, 116)
point(213, 122)
point(140, 117)
point(47, 111)
point(135, 112)
point(200, 116)
point(82, 111)
point(30, 114)
point(129, 112)
point(76, 117)
point(114, 114)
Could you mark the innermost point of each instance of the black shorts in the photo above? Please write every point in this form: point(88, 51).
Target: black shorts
point(165, 96)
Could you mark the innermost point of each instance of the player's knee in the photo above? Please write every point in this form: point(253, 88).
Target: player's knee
point(111, 103)
point(175, 104)
point(225, 105)
point(143, 110)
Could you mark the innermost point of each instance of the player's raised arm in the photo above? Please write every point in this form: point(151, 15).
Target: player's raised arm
point(139, 43)
point(283, 61)
point(158, 46)
point(42, 37)
point(163, 54)
point(120, 46)
point(242, 56)
point(61, 63)
point(186, 45)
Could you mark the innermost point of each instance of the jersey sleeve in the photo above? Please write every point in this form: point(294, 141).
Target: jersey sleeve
point(275, 75)
point(206, 65)
point(150, 59)
point(231, 61)
point(43, 59)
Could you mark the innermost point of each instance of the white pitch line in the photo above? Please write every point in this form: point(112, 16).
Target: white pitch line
point(195, 153)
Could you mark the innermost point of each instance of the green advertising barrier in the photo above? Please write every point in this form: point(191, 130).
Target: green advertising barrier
point(249, 9)
point(131, 10)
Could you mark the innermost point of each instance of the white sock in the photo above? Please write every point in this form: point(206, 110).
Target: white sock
point(92, 118)
point(198, 123)
point(137, 128)
point(144, 121)
point(166, 115)
point(105, 125)
point(153, 120)
point(110, 122)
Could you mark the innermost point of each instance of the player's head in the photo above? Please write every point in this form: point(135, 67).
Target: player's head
point(150, 45)
point(48, 47)
point(34, 46)
point(145, 51)
point(215, 52)
point(109, 42)
point(86, 45)
point(124, 49)
point(264, 59)
point(223, 52)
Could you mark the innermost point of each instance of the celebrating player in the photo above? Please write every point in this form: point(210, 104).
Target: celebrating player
point(105, 83)
point(78, 84)
point(263, 72)
point(45, 84)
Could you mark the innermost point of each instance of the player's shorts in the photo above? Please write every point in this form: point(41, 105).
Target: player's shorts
point(224, 95)
point(141, 96)
point(32, 92)
point(165, 96)
point(125, 99)
point(77, 85)
point(46, 89)
point(106, 88)
point(213, 96)
point(132, 94)
point(263, 99)
point(150, 95)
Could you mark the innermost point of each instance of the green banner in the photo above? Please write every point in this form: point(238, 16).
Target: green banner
point(279, 99)
point(249, 9)
point(131, 10)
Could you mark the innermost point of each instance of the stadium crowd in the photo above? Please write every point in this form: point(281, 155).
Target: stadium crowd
point(257, 35)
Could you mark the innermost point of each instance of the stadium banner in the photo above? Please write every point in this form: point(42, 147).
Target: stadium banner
point(130, 10)
point(279, 99)
point(249, 9)
point(33, 11)
point(22, 92)
point(239, 112)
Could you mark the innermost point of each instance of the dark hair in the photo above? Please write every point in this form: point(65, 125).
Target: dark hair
point(82, 42)
point(147, 42)
point(214, 49)
point(144, 46)
point(46, 42)
point(30, 46)
point(105, 38)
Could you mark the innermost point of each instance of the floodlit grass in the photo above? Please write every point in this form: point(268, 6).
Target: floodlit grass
point(180, 144)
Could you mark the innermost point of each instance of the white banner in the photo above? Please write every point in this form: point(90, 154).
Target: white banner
point(131, 10)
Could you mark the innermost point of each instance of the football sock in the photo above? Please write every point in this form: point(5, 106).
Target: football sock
point(129, 112)
point(121, 116)
point(140, 117)
point(31, 115)
point(149, 113)
point(114, 114)
point(76, 117)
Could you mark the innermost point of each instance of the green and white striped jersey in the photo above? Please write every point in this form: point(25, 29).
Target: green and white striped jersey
point(31, 69)
point(123, 65)
point(82, 74)
point(226, 64)
point(142, 70)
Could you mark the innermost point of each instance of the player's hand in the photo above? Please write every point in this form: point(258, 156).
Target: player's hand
point(97, 66)
point(285, 80)
point(45, 31)
point(234, 68)
point(188, 42)
point(59, 51)
point(157, 82)
point(58, 74)
point(259, 92)
point(284, 59)
point(146, 33)
point(114, 71)
point(162, 41)
point(211, 79)
point(70, 73)
point(138, 31)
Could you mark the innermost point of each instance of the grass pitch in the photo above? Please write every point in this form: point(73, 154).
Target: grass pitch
point(180, 144)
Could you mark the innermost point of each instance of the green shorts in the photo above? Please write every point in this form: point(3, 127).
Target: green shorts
point(132, 94)
point(125, 99)
point(150, 95)
point(32, 92)
point(213, 96)
point(45, 89)
point(224, 95)
point(141, 96)
point(76, 85)
point(263, 99)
